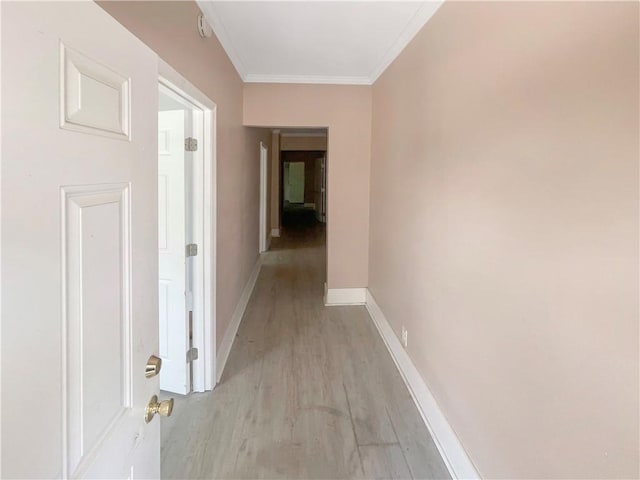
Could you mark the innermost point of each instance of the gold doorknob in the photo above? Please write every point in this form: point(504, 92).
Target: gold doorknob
point(163, 408)
point(154, 364)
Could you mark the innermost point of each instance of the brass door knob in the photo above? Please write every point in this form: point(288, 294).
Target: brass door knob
point(154, 364)
point(163, 408)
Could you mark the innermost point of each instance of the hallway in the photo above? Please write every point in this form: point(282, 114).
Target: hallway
point(308, 391)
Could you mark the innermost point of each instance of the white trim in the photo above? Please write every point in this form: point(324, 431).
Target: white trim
point(456, 459)
point(263, 240)
point(344, 296)
point(210, 247)
point(413, 27)
point(316, 79)
point(220, 32)
point(236, 318)
point(205, 271)
point(275, 232)
point(64, 418)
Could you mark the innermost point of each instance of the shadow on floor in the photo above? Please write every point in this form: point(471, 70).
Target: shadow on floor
point(300, 229)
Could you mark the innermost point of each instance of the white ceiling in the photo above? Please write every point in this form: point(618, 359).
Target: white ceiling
point(339, 42)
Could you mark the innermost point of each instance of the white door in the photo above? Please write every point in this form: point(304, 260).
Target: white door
point(263, 198)
point(172, 204)
point(79, 244)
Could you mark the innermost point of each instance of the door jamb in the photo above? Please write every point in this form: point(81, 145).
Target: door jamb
point(263, 243)
point(205, 221)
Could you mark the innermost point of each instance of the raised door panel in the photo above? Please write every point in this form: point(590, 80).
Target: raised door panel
point(97, 320)
point(93, 97)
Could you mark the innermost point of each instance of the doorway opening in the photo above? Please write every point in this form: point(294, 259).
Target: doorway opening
point(299, 188)
point(186, 236)
point(303, 187)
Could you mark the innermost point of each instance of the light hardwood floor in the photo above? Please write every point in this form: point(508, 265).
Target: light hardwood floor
point(308, 391)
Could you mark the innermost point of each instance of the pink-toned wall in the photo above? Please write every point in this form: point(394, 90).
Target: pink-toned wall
point(346, 111)
point(169, 28)
point(504, 229)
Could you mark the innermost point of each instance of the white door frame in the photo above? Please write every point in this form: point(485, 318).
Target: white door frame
point(263, 243)
point(204, 224)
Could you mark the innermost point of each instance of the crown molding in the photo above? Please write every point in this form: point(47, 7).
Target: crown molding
point(419, 19)
point(223, 37)
point(426, 11)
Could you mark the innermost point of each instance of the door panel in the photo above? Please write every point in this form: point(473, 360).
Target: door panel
point(172, 206)
point(94, 99)
point(96, 269)
point(79, 240)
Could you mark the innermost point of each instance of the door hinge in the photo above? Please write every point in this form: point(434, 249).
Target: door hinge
point(190, 144)
point(192, 354)
point(192, 250)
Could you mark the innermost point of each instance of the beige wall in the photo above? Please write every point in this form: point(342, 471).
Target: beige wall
point(292, 143)
point(346, 111)
point(504, 229)
point(169, 28)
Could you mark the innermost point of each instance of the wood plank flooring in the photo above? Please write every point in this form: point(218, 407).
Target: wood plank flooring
point(309, 392)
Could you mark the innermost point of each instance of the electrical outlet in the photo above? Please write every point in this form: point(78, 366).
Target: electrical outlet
point(405, 337)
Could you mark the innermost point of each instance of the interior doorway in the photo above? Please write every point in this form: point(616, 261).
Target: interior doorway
point(186, 233)
point(303, 193)
point(299, 192)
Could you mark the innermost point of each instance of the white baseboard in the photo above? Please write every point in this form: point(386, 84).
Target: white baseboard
point(236, 318)
point(275, 232)
point(344, 296)
point(449, 446)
